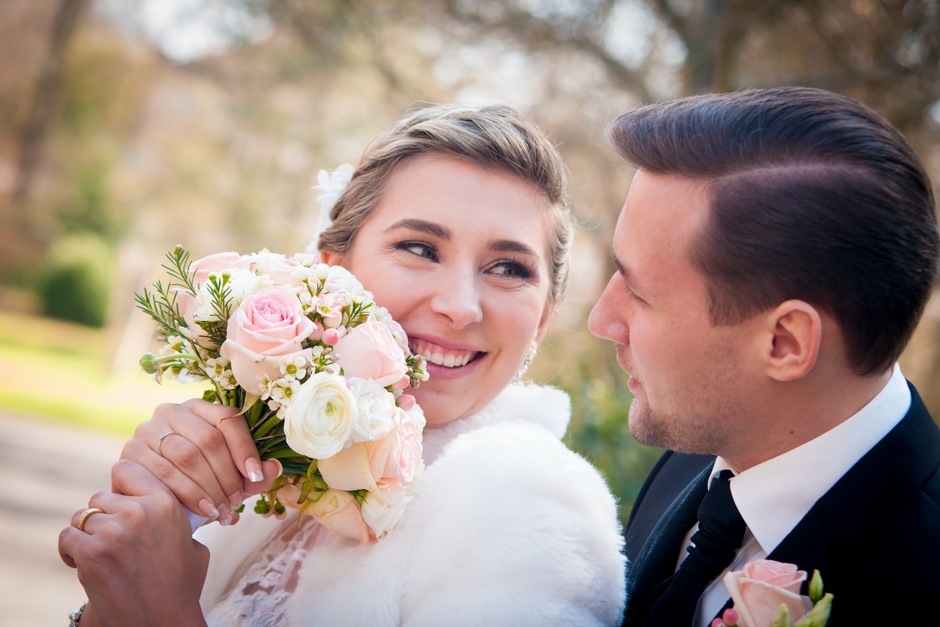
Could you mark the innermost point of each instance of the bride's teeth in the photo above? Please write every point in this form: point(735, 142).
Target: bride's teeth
point(437, 356)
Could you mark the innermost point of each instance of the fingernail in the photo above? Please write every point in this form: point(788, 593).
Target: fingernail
point(236, 499)
point(253, 466)
point(225, 515)
point(208, 510)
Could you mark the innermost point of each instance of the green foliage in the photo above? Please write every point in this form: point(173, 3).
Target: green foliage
point(75, 281)
point(600, 405)
point(89, 206)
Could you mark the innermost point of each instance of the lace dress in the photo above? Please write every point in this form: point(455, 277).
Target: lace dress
point(259, 594)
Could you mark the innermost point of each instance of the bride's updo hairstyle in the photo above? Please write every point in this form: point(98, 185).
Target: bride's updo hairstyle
point(493, 137)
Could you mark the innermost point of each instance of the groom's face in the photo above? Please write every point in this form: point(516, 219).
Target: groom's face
point(685, 374)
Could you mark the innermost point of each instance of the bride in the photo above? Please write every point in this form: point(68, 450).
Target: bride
point(456, 220)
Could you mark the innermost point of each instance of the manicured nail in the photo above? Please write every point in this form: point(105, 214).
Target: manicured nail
point(236, 499)
point(208, 510)
point(253, 466)
point(225, 515)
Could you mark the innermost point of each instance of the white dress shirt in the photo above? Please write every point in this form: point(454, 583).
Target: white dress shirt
point(774, 496)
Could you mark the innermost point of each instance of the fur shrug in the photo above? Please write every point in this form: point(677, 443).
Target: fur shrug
point(506, 527)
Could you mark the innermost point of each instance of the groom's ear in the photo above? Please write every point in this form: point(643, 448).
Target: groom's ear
point(794, 337)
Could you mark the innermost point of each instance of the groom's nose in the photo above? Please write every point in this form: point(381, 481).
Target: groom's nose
point(608, 317)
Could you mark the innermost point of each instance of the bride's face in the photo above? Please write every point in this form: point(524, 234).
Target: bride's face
point(459, 256)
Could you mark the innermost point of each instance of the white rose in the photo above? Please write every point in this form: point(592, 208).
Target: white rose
point(375, 410)
point(382, 513)
point(320, 419)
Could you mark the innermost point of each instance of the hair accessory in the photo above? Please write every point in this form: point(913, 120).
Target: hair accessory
point(332, 183)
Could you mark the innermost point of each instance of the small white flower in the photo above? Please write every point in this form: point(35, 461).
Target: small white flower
point(216, 367)
point(294, 368)
point(228, 381)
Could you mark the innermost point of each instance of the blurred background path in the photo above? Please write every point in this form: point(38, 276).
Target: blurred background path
point(47, 471)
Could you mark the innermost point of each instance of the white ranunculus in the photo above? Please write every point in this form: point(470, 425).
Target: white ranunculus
point(339, 279)
point(376, 410)
point(320, 419)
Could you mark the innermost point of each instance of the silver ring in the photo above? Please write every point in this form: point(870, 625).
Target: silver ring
point(163, 437)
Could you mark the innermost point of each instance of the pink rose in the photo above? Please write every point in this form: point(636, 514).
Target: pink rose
point(396, 458)
point(339, 512)
point(369, 351)
point(266, 327)
point(762, 587)
point(218, 263)
point(277, 266)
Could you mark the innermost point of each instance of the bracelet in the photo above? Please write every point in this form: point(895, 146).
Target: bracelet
point(76, 616)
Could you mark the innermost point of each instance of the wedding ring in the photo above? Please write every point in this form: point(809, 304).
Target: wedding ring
point(162, 437)
point(91, 511)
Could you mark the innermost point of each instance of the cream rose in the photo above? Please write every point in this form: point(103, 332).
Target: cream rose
point(319, 421)
point(339, 512)
point(762, 587)
point(268, 326)
point(383, 513)
point(369, 351)
point(349, 469)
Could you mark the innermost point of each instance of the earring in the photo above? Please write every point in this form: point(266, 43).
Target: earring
point(525, 365)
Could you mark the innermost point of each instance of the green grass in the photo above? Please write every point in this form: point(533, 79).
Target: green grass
point(58, 371)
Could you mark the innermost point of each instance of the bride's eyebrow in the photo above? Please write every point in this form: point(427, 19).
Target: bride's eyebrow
point(511, 246)
point(422, 226)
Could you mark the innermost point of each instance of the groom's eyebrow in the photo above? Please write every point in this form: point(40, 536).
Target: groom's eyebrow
point(422, 226)
point(628, 278)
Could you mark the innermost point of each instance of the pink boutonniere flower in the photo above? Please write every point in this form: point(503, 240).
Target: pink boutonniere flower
point(767, 594)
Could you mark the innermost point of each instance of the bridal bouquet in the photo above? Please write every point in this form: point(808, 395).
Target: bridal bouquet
point(318, 370)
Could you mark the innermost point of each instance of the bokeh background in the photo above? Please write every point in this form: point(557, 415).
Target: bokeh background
point(127, 127)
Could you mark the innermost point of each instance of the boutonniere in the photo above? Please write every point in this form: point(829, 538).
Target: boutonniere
point(767, 594)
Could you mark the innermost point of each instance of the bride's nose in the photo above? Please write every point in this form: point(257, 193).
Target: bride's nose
point(457, 297)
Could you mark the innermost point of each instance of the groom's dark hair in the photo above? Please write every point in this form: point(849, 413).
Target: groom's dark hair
point(813, 197)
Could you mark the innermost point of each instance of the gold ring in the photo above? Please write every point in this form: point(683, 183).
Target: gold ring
point(91, 511)
point(162, 437)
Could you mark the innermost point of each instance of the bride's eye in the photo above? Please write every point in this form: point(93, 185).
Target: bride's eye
point(419, 249)
point(513, 269)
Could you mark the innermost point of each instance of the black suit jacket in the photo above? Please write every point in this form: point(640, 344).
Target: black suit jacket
point(874, 536)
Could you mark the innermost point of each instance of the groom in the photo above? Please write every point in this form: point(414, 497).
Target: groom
point(774, 255)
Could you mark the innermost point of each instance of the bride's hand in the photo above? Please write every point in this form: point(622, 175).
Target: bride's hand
point(135, 555)
point(202, 452)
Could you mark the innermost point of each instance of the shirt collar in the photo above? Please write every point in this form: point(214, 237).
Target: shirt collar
point(775, 495)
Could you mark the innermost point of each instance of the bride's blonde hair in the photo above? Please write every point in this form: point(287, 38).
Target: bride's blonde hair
point(493, 137)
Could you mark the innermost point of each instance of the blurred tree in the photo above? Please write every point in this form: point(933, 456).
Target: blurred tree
point(47, 96)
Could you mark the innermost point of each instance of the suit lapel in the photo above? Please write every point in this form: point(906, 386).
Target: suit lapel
point(660, 553)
